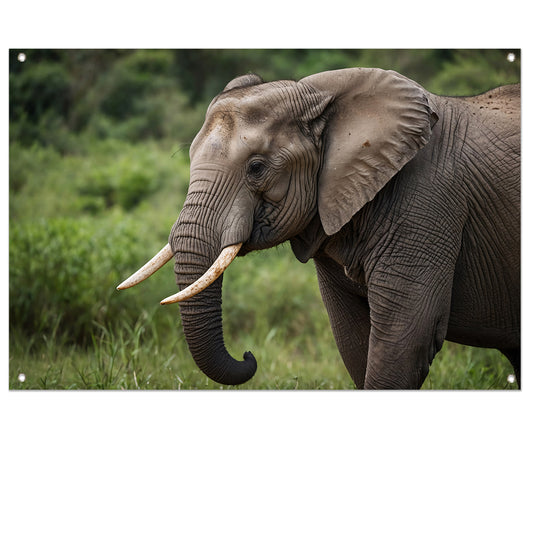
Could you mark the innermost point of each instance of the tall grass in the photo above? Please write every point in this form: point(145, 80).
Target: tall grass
point(145, 356)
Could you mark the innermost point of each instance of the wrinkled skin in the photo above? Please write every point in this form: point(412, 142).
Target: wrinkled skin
point(407, 202)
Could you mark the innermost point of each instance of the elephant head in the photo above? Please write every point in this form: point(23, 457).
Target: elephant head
point(268, 159)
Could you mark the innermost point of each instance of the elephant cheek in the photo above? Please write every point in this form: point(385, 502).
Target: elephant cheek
point(239, 219)
point(278, 192)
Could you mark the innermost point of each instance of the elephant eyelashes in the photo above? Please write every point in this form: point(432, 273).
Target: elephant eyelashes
point(256, 169)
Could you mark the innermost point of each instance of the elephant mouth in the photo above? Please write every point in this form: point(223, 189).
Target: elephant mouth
point(262, 237)
point(250, 246)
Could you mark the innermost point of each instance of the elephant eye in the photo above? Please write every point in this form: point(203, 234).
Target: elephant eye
point(256, 168)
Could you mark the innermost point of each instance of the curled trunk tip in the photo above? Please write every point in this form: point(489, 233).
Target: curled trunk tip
point(240, 372)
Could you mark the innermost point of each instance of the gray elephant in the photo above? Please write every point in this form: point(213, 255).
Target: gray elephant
point(408, 203)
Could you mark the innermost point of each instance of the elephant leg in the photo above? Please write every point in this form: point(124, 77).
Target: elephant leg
point(348, 315)
point(409, 321)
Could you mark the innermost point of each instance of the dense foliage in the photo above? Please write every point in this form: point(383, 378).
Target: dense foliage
point(98, 172)
point(140, 94)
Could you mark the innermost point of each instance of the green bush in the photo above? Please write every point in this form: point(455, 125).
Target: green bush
point(152, 94)
point(125, 181)
point(140, 98)
point(472, 72)
point(39, 89)
point(27, 162)
point(40, 97)
point(132, 78)
point(63, 273)
point(160, 114)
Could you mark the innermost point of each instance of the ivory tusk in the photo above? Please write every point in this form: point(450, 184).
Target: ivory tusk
point(161, 258)
point(227, 255)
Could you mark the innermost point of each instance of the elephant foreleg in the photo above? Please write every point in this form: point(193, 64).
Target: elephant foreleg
point(349, 317)
point(408, 325)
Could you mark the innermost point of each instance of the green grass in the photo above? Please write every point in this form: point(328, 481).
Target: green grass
point(81, 223)
point(133, 358)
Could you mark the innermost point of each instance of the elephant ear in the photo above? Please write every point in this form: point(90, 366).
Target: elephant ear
point(378, 122)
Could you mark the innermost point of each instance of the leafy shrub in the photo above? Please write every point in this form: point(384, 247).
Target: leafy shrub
point(63, 273)
point(140, 98)
point(472, 72)
point(125, 181)
point(132, 78)
point(133, 186)
point(39, 100)
point(41, 88)
point(141, 94)
point(100, 189)
point(164, 113)
point(26, 162)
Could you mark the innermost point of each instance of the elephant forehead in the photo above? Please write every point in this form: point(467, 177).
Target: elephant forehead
point(234, 143)
point(257, 101)
point(233, 134)
point(239, 117)
point(251, 119)
point(259, 106)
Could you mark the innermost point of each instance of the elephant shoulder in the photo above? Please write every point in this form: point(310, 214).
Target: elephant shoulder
point(502, 104)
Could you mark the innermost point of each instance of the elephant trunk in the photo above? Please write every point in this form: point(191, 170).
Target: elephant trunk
point(201, 315)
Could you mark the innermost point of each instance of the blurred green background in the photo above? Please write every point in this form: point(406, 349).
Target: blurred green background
point(98, 164)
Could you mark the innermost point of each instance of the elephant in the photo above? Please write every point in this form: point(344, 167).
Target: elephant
point(407, 202)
